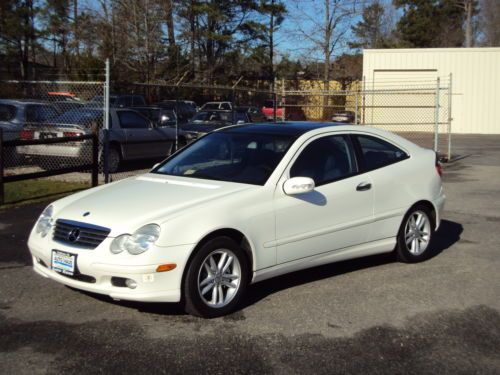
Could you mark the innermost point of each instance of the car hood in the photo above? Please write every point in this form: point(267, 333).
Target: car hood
point(150, 198)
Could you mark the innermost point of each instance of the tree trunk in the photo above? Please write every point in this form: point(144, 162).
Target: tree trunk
point(271, 46)
point(327, 56)
point(468, 23)
point(169, 12)
point(192, 26)
point(76, 33)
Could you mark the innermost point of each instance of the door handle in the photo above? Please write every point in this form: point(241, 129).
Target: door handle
point(364, 186)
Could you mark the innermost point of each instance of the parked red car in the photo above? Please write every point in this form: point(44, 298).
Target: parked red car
point(291, 113)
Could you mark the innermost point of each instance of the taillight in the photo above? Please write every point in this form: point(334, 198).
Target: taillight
point(438, 166)
point(26, 134)
point(71, 134)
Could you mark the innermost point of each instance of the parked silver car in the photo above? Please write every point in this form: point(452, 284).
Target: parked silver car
point(16, 114)
point(131, 137)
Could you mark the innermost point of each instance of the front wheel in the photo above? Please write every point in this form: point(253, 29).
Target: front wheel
point(216, 278)
point(415, 235)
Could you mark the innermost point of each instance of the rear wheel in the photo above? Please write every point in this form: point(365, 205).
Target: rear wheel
point(216, 278)
point(415, 235)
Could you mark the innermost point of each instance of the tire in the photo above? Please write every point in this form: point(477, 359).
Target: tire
point(414, 241)
point(205, 282)
point(114, 160)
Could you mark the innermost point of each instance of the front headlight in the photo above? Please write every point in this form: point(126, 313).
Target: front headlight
point(44, 222)
point(138, 242)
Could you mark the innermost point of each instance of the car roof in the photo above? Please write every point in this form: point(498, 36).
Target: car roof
point(283, 128)
point(23, 101)
point(297, 129)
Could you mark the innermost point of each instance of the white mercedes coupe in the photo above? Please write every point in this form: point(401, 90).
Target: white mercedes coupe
point(240, 205)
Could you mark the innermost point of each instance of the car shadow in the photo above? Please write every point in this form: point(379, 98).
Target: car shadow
point(447, 235)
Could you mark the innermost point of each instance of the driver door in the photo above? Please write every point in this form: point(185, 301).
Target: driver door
point(336, 214)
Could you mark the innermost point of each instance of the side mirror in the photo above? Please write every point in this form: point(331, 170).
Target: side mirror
point(298, 185)
point(240, 122)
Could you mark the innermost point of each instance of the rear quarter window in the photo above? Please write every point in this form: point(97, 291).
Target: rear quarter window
point(378, 153)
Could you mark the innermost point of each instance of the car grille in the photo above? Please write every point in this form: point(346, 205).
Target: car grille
point(79, 234)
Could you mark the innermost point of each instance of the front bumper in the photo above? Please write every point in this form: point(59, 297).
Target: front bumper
point(100, 266)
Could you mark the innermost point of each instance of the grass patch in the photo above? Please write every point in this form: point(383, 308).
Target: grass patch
point(29, 191)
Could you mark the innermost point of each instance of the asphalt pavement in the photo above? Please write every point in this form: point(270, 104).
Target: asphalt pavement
point(371, 315)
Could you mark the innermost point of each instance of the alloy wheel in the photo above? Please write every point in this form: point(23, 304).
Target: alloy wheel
point(219, 278)
point(417, 232)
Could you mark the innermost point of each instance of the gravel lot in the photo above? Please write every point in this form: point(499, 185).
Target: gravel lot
point(365, 316)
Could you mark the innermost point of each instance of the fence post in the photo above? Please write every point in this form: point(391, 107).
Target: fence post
point(176, 93)
point(364, 101)
point(450, 118)
point(2, 193)
point(436, 117)
point(106, 126)
point(283, 99)
point(356, 106)
point(95, 158)
point(275, 98)
point(233, 99)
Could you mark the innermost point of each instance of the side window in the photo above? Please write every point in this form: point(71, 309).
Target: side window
point(325, 160)
point(225, 106)
point(378, 153)
point(132, 120)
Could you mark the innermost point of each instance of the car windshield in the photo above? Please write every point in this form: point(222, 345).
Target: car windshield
point(79, 117)
point(7, 112)
point(211, 106)
point(247, 158)
point(216, 116)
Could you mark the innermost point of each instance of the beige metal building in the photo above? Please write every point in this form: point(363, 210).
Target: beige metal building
point(472, 75)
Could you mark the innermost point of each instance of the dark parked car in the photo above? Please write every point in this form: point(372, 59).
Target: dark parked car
point(65, 106)
point(183, 110)
point(254, 113)
point(224, 106)
point(119, 101)
point(132, 136)
point(207, 121)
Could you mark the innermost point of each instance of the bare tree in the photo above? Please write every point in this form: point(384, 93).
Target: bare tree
point(327, 34)
point(169, 15)
point(490, 23)
point(468, 7)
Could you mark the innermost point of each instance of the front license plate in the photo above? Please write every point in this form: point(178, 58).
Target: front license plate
point(63, 262)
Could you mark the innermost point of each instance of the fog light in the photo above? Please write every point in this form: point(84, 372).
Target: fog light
point(131, 283)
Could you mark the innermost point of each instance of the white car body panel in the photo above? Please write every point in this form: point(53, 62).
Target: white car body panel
point(285, 233)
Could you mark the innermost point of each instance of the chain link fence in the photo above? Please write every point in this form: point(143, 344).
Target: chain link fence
point(137, 124)
point(419, 111)
point(34, 117)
